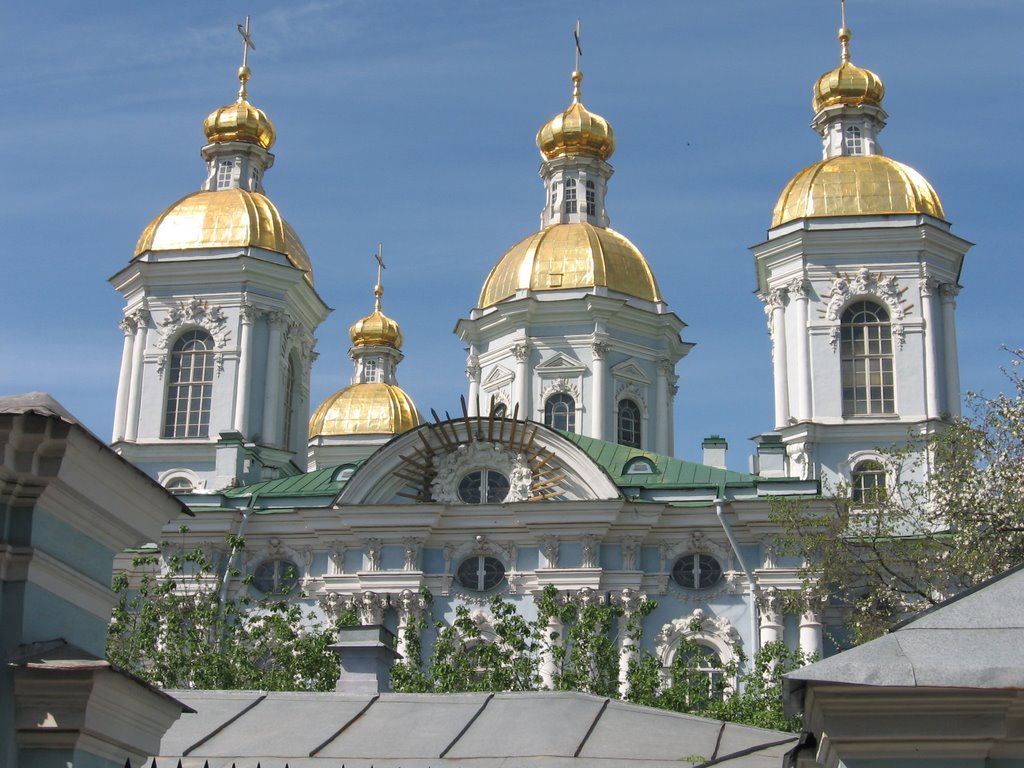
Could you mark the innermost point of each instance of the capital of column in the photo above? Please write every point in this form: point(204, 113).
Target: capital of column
point(248, 313)
point(521, 352)
point(949, 292)
point(370, 606)
point(408, 604)
point(775, 299)
point(666, 367)
point(928, 286)
point(473, 372)
point(629, 600)
point(769, 605)
point(600, 349)
point(799, 287)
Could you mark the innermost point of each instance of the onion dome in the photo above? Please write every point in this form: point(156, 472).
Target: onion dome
point(571, 256)
point(376, 329)
point(365, 409)
point(847, 83)
point(240, 121)
point(856, 185)
point(576, 131)
point(226, 218)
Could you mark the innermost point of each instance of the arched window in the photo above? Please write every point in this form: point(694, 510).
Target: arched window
point(854, 140)
point(480, 573)
point(290, 401)
point(484, 486)
point(866, 360)
point(629, 423)
point(371, 371)
point(276, 577)
point(225, 170)
point(560, 412)
point(190, 386)
point(867, 485)
point(570, 196)
point(697, 571)
point(179, 484)
point(591, 199)
point(500, 411)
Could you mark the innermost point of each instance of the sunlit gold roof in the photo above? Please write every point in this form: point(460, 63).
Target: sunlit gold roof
point(566, 256)
point(376, 329)
point(856, 185)
point(365, 409)
point(240, 121)
point(223, 219)
point(576, 131)
point(847, 83)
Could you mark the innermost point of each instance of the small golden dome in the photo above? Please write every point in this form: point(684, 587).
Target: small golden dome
point(376, 329)
point(225, 218)
point(568, 256)
point(240, 121)
point(365, 409)
point(576, 131)
point(847, 83)
point(856, 185)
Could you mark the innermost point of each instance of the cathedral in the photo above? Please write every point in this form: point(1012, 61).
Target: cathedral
point(559, 470)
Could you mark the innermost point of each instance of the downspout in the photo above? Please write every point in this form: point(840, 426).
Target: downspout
point(755, 638)
point(225, 580)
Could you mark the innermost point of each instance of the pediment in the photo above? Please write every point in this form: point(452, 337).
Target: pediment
point(498, 376)
point(630, 370)
point(560, 364)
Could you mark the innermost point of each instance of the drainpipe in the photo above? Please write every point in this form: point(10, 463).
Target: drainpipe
point(225, 581)
point(754, 634)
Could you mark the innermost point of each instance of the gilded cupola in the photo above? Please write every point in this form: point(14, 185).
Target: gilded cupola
point(376, 329)
point(240, 121)
point(576, 131)
point(847, 84)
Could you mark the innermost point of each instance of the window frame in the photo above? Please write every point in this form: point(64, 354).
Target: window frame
point(188, 406)
point(565, 404)
point(696, 570)
point(867, 360)
point(482, 561)
point(569, 195)
point(623, 410)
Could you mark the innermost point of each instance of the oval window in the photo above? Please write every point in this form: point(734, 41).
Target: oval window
point(696, 571)
point(275, 577)
point(480, 573)
point(483, 486)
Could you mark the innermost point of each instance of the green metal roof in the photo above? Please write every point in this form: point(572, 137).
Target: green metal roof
point(668, 472)
point(318, 483)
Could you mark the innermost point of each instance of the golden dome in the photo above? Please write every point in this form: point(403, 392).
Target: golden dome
point(240, 121)
point(224, 218)
point(365, 409)
point(847, 83)
point(576, 131)
point(567, 256)
point(376, 329)
point(856, 185)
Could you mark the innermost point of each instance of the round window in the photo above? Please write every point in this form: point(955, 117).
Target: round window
point(484, 486)
point(480, 573)
point(696, 571)
point(275, 577)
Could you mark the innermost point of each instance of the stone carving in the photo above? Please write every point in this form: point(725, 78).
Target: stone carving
point(370, 607)
point(133, 321)
point(600, 349)
point(628, 600)
point(769, 604)
point(336, 556)
point(799, 455)
point(408, 604)
point(865, 282)
point(585, 597)
point(373, 551)
point(550, 550)
point(193, 313)
point(630, 550)
point(716, 631)
point(412, 549)
point(589, 550)
point(451, 467)
point(773, 300)
point(632, 392)
point(332, 605)
point(521, 352)
point(559, 386)
point(799, 287)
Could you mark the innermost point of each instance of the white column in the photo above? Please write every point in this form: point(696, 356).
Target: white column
point(801, 288)
point(473, 374)
point(673, 390)
point(661, 407)
point(409, 606)
point(131, 429)
point(599, 406)
point(548, 668)
point(949, 294)
point(629, 600)
point(775, 305)
point(810, 626)
point(124, 379)
point(247, 314)
point(272, 395)
point(769, 604)
point(931, 382)
point(522, 355)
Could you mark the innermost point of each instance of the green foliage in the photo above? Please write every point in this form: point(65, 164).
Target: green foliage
point(174, 630)
point(921, 541)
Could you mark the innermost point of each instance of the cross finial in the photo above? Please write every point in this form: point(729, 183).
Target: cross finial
point(579, 50)
point(844, 34)
point(243, 71)
point(378, 290)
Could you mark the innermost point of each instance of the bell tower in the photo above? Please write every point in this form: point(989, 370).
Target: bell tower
point(220, 312)
point(859, 276)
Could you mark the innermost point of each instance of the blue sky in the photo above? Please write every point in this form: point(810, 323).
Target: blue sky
point(413, 123)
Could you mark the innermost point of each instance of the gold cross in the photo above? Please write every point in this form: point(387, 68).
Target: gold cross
point(579, 51)
point(247, 42)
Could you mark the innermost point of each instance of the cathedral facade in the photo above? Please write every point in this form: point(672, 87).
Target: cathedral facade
point(559, 471)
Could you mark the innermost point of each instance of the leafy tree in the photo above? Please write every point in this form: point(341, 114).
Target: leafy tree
point(176, 630)
point(919, 542)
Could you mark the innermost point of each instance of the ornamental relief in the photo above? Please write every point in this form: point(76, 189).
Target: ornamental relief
point(193, 313)
point(451, 467)
point(560, 386)
point(632, 392)
point(866, 283)
point(717, 631)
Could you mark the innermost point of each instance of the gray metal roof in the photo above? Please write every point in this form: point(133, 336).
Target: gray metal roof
point(971, 641)
point(530, 730)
